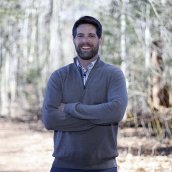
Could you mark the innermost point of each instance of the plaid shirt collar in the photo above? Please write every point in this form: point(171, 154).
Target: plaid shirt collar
point(89, 67)
point(85, 72)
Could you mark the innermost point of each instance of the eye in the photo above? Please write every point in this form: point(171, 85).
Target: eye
point(80, 36)
point(92, 35)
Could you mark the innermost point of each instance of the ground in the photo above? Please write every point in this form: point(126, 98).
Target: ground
point(28, 148)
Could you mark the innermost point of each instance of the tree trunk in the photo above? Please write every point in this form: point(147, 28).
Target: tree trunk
point(160, 88)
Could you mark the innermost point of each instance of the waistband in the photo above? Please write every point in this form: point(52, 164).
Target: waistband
point(76, 165)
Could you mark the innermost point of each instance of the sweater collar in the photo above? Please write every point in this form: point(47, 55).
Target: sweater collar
point(92, 64)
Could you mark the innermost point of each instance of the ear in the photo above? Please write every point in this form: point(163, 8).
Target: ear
point(101, 41)
point(73, 40)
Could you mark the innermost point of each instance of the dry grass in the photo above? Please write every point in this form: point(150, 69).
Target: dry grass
point(25, 150)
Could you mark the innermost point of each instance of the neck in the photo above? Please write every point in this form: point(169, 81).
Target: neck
point(85, 63)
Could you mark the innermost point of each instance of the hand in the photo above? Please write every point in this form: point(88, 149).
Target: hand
point(61, 107)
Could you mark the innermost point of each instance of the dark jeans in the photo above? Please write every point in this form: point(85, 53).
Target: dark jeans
point(56, 169)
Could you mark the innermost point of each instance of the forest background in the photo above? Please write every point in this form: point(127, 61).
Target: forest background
point(36, 39)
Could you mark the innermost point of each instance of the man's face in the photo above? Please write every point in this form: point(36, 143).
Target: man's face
point(86, 41)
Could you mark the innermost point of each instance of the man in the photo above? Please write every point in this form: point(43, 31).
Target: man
point(84, 102)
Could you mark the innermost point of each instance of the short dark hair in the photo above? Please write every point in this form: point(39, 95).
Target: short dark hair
point(87, 20)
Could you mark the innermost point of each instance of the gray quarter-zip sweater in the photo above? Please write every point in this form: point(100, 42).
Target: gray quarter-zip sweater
point(85, 134)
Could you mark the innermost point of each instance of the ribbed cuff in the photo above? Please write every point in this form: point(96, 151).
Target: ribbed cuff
point(70, 108)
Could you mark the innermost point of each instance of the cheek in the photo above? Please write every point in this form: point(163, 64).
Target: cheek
point(75, 43)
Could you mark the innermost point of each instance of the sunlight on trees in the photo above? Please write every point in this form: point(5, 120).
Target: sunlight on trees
point(36, 39)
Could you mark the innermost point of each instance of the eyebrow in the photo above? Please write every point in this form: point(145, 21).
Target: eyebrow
point(88, 34)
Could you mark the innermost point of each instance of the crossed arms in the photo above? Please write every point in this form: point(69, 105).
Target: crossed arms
point(77, 116)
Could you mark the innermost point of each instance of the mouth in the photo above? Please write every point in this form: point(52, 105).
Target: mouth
point(85, 48)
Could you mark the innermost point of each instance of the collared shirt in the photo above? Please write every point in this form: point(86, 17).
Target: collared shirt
point(85, 72)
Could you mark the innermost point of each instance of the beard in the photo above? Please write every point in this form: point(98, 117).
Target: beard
point(87, 55)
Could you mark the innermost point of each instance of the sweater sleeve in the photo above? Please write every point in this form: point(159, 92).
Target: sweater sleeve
point(110, 112)
point(52, 117)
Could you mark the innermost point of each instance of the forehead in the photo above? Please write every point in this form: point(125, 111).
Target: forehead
point(86, 28)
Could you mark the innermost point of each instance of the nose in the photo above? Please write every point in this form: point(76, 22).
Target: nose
point(85, 39)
